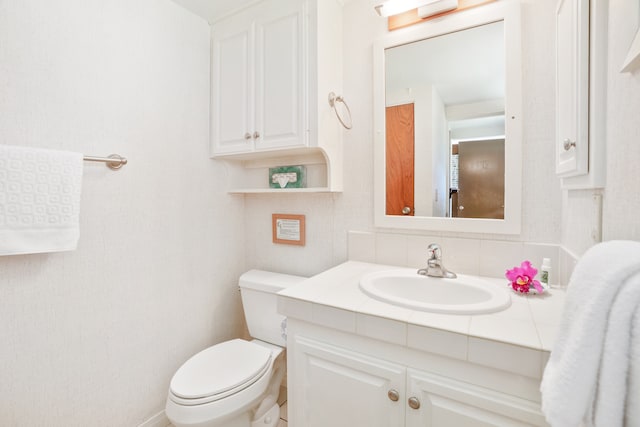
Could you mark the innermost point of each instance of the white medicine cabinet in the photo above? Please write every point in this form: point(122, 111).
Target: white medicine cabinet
point(258, 80)
point(273, 65)
point(581, 44)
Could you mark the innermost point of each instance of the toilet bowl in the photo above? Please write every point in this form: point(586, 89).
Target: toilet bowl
point(229, 384)
point(236, 383)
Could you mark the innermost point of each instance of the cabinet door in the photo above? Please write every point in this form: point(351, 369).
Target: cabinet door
point(444, 402)
point(232, 124)
point(572, 87)
point(339, 388)
point(279, 75)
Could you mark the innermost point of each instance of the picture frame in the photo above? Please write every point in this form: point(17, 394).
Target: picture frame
point(288, 229)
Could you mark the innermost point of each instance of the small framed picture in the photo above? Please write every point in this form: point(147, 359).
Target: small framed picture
point(288, 229)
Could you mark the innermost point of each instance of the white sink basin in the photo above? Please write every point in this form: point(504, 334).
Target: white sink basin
point(462, 295)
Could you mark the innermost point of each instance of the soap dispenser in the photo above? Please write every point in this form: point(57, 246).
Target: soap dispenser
point(545, 272)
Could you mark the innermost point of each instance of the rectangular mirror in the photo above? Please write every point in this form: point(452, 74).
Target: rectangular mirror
point(448, 125)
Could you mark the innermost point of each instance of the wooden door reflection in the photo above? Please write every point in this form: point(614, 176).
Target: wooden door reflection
point(400, 153)
point(481, 179)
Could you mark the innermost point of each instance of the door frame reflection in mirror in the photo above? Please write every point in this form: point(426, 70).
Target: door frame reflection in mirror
point(509, 12)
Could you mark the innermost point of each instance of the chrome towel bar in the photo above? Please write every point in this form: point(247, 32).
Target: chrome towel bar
point(113, 161)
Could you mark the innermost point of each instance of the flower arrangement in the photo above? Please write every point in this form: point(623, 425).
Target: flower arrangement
point(523, 278)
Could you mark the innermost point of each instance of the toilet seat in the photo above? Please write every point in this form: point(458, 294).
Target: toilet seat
point(219, 371)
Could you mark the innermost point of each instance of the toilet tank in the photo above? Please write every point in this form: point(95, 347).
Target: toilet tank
point(259, 300)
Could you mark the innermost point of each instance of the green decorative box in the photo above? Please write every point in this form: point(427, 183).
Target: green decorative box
point(288, 177)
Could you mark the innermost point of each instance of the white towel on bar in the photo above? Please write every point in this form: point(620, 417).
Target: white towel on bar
point(587, 377)
point(39, 200)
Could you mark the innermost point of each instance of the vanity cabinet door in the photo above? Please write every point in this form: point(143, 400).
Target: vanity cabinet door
point(335, 387)
point(257, 79)
point(443, 402)
point(572, 88)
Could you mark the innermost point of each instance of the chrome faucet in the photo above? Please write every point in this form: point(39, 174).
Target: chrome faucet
point(435, 268)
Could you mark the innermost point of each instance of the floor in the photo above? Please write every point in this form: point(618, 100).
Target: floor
point(282, 401)
point(283, 415)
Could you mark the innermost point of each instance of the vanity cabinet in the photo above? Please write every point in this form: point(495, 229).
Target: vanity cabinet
point(355, 361)
point(343, 387)
point(273, 65)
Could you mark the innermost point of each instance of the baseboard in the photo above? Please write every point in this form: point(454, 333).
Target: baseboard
point(158, 420)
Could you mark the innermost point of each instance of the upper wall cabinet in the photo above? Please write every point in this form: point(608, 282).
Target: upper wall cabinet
point(572, 87)
point(581, 28)
point(258, 79)
point(272, 67)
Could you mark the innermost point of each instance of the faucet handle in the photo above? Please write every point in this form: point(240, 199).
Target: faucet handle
point(434, 251)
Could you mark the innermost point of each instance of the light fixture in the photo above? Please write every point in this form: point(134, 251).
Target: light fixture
point(429, 7)
point(436, 7)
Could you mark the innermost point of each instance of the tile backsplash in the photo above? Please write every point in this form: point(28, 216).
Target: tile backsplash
point(489, 258)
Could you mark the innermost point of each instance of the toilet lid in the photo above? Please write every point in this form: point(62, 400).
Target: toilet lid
point(220, 368)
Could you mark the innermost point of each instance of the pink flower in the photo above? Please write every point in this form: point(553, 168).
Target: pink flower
point(522, 278)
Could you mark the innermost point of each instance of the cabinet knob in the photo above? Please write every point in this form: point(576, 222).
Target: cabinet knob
point(393, 395)
point(247, 135)
point(567, 144)
point(256, 135)
point(414, 403)
point(406, 210)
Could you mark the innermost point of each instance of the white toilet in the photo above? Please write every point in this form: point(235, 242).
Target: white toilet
point(236, 383)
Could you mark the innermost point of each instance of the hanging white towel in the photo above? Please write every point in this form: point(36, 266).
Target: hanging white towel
point(39, 200)
point(632, 410)
point(613, 395)
point(587, 377)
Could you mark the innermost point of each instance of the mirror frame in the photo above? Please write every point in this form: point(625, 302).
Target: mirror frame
point(509, 12)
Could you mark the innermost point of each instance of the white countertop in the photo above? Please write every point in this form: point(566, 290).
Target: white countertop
point(333, 299)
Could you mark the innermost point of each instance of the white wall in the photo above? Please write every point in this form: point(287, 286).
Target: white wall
point(92, 337)
point(423, 146)
point(331, 216)
point(441, 149)
point(622, 195)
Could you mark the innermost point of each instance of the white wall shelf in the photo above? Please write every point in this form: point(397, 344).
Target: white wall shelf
point(249, 173)
point(279, 190)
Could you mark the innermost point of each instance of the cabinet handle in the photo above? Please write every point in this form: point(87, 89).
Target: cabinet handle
point(256, 135)
point(567, 144)
point(247, 135)
point(393, 395)
point(414, 403)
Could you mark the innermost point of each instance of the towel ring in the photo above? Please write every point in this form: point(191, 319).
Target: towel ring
point(333, 98)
